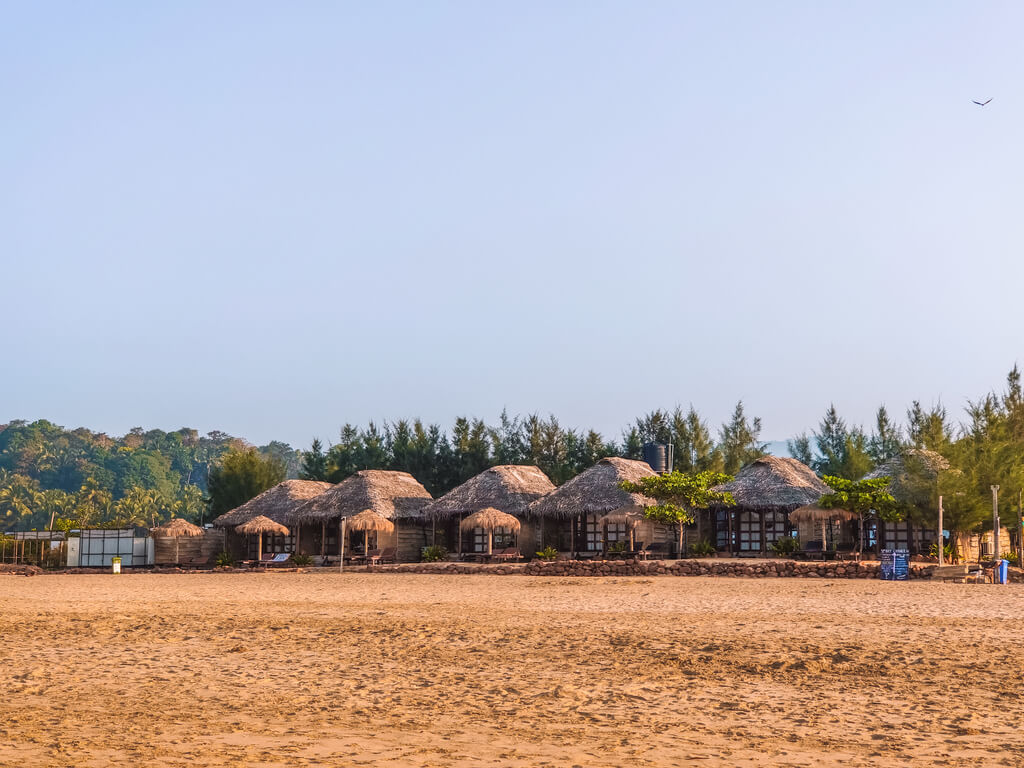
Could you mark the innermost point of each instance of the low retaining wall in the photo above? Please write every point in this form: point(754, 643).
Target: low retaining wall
point(738, 568)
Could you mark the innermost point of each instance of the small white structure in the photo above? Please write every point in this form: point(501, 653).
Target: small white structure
point(97, 548)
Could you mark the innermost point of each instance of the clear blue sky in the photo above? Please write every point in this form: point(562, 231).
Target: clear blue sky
point(273, 218)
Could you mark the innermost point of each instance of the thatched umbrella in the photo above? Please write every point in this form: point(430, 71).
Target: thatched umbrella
point(365, 521)
point(771, 485)
point(489, 519)
point(176, 528)
point(260, 525)
point(812, 513)
point(627, 517)
point(596, 491)
point(508, 487)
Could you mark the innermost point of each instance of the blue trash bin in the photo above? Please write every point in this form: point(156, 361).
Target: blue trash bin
point(1003, 571)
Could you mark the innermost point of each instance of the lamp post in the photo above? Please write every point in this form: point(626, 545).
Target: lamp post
point(995, 522)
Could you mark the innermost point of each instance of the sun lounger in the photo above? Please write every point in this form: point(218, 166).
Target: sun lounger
point(509, 553)
point(370, 556)
point(386, 555)
point(278, 560)
point(195, 562)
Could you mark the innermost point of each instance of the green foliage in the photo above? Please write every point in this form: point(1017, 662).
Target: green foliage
point(843, 451)
point(679, 495)
point(618, 547)
point(434, 553)
point(1011, 558)
point(314, 462)
point(862, 497)
point(740, 441)
point(784, 546)
point(548, 553)
point(702, 548)
point(240, 476)
point(948, 551)
point(223, 560)
point(302, 561)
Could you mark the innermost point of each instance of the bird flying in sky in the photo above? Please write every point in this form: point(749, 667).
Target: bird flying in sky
point(982, 103)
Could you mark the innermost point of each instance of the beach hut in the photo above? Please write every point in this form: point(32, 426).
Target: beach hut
point(583, 514)
point(508, 488)
point(766, 491)
point(177, 528)
point(818, 518)
point(490, 520)
point(394, 496)
point(260, 525)
point(367, 521)
point(278, 504)
point(914, 476)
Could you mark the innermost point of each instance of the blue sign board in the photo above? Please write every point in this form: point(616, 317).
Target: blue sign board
point(895, 564)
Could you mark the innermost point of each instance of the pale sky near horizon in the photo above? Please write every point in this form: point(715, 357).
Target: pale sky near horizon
point(275, 218)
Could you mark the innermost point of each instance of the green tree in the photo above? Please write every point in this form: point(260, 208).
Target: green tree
point(886, 442)
point(241, 475)
point(863, 498)
point(679, 496)
point(694, 449)
point(314, 462)
point(740, 441)
point(188, 504)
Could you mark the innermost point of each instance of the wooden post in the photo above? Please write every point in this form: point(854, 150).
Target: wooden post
point(298, 533)
point(458, 532)
point(824, 538)
point(995, 522)
point(259, 547)
point(728, 518)
point(490, 541)
point(572, 538)
point(764, 549)
point(323, 538)
point(939, 546)
point(341, 546)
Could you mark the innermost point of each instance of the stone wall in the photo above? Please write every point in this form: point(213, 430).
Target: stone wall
point(736, 568)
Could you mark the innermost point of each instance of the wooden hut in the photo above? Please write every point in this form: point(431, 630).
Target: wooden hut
point(278, 504)
point(766, 491)
point(570, 517)
point(508, 488)
point(394, 496)
point(914, 477)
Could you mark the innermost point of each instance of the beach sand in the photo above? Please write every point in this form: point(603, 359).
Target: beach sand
point(302, 669)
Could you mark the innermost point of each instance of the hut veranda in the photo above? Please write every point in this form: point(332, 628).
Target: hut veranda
point(588, 516)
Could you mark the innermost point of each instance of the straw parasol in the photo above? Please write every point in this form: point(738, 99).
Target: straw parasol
point(260, 525)
point(812, 513)
point(368, 520)
point(489, 518)
point(176, 528)
point(630, 519)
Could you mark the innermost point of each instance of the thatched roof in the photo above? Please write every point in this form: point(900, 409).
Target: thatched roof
point(509, 488)
point(392, 495)
point(261, 524)
point(596, 491)
point(368, 520)
point(278, 503)
point(775, 483)
point(177, 527)
point(914, 473)
point(812, 513)
point(489, 519)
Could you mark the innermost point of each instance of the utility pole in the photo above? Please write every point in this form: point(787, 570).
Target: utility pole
point(941, 541)
point(995, 522)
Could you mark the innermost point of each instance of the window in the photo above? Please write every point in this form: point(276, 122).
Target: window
point(594, 543)
point(503, 537)
point(617, 532)
point(748, 529)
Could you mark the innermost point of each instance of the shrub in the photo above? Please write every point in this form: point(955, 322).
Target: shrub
point(1011, 557)
point(223, 560)
point(433, 553)
point(947, 551)
point(302, 560)
point(787, 545)
point(618, 546)
point(701, 548)
point(548, 553)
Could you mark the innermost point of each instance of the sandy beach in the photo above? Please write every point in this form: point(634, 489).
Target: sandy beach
point(286, 669)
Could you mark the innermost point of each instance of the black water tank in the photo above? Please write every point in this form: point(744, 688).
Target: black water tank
point(659, 456)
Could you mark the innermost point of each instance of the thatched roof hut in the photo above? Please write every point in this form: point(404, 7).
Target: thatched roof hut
point(177, 528)
point(489, 518)
point(278, 503)
point(509, 488)
point(391, 495)
point(774, 484)
point(596, 491)
point(914, 473)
